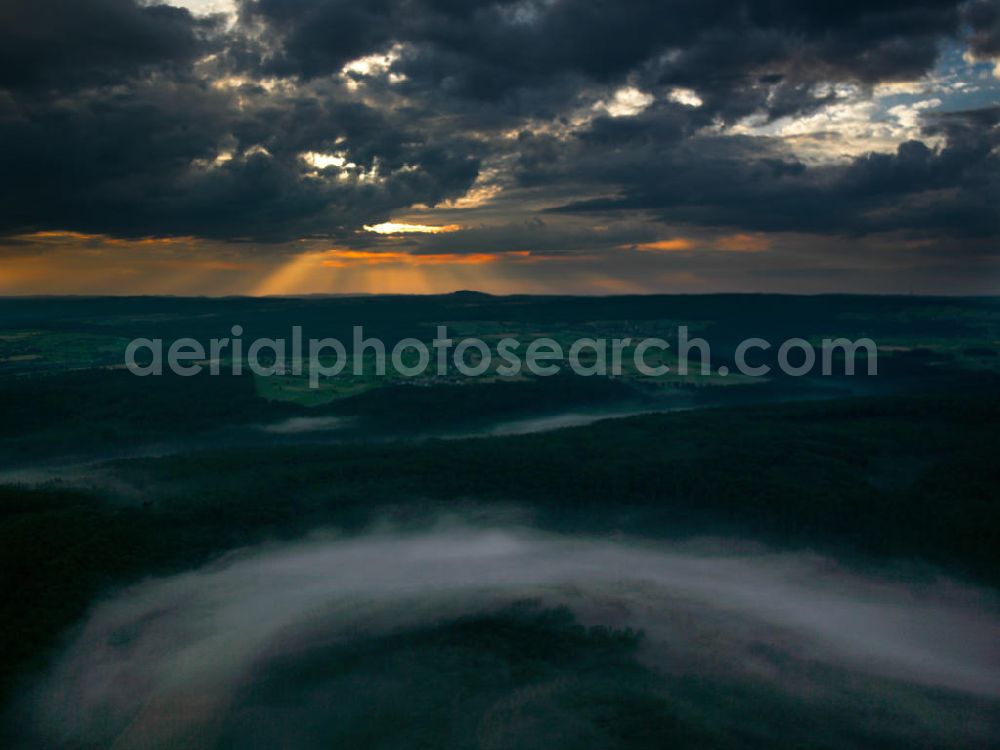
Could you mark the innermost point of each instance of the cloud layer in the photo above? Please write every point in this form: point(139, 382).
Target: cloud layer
point(640, 122)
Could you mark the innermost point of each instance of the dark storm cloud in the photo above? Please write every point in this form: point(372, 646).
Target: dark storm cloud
point(61, 44)
point(490, 50)
point(754, 183)
point(112, 120)
point(106, 127)
point(141, 160)
point(983, 16)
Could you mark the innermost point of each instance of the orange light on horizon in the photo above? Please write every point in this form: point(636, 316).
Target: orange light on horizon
point(744, 243)
point(736, 243)
point(65, 235)
point(345, 258)
point(388, 271)
point(672, 245)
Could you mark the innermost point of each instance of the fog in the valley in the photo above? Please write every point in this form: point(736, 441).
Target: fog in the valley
point(163, 663)
point(296, 425)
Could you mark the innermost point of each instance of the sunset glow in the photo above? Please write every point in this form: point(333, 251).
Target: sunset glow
point(217, 145)
point(391, 227)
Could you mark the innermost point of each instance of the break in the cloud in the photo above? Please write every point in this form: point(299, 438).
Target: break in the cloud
point(764, 145)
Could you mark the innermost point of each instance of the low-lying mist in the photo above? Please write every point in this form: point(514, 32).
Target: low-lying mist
point(169, 662)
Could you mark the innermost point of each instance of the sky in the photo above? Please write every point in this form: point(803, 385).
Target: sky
point(216, 147)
